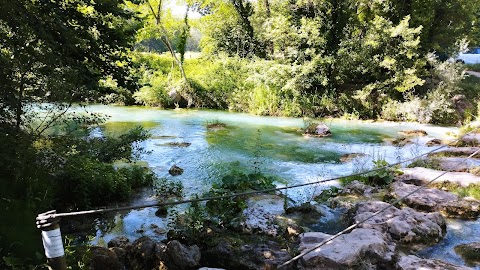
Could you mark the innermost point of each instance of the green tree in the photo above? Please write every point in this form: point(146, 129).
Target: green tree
point(160, 24)
point(52, 53)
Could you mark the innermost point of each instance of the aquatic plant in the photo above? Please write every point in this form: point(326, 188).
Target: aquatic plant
point(227, 209)
point(381, 176)
point(165, 188)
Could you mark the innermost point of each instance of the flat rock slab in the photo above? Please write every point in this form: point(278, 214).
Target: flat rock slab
point(456, 151)
point(412, 262)
point(472, 139)
point(404, 226)
point(425, 175)
point(457, 164)
point(431, 200)
point(413, 133)
point(347, 251)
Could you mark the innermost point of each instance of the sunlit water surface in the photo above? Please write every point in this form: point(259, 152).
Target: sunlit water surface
point(276, 143)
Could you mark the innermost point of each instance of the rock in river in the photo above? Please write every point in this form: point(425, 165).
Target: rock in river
point(431, 200)
point(424, 175)
point(359, 248)
point(175, 170)
point(470, 252)
point(404, 226)
point(412, 262)
point(317, 130)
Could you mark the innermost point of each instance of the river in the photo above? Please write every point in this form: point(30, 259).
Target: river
point(275, 143)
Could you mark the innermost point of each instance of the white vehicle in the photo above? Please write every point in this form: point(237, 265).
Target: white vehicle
point(472, 56)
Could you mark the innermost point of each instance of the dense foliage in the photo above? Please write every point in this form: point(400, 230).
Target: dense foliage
point(54, 53)
point(351, 58)
point(343, 58)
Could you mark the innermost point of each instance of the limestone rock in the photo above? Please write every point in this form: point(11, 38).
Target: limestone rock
point(412, 262)
point(142, 254)
point(424, 175)
point(456, 152)
point(261, 213)
point(431, 200)
point(434, 142)
point(358, 188)
point(402, 141)
point(252, 256)
point(175, 170)
point(456, 164)
point(404, 226)
point(317, 130)
point(222, 254)
point(120, 241)
point(349, 251)
point(472, 139)
point(103, 258)
point(349, 157)
point(470, 253)
point(179, 256)
point(413, 133)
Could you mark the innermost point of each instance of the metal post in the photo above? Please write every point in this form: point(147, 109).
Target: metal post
point(52, 240)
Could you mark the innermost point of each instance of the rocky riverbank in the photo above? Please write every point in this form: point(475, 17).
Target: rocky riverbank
point(270, 233)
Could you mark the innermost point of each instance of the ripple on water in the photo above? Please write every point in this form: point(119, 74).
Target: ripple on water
point(275, 142)
point(458, 232)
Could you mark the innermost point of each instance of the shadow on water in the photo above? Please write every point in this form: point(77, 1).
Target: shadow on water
point(115, 129)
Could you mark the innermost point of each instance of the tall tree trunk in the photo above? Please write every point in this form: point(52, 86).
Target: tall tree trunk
point(168, 44)
point(267, 7)
point(19, 105)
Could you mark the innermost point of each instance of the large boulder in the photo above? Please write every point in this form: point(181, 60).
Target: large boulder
point(413, 133)
point(424, 175)
point(456, 164)
point(470, 253)
point(434, 142)
point(119, 241)
point(361, 247)
point(249, 257)
point(431, 200)
point(181, 257)
point(104, 258)
point(175, 170)
point(317, 130)
point(412, 262)
point(141, 254)
point(261, 213)
point(472, 139)
point(358, 188)
point(404, 226)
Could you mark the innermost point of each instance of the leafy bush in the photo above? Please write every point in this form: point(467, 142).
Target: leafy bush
point(430, 163)
point(85, 183)
point(436, 106)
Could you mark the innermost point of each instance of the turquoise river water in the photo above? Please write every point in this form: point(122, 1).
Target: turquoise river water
point(275, 142)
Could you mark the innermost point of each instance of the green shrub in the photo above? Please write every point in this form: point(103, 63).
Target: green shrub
point(86, 183)
point(430, 163)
